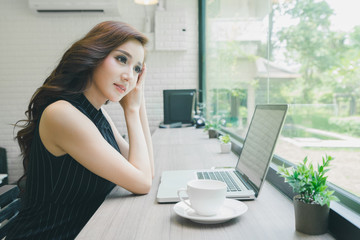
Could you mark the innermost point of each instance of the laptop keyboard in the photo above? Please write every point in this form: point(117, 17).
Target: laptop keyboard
point(223, 176)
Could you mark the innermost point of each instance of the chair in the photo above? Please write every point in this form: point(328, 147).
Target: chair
point(9, 207)
point(3, 167)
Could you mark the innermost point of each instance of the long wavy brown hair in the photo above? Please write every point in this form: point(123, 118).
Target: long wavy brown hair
point(72, 75)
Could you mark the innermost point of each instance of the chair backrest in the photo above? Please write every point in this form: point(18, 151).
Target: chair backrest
point(9, 207)
point(3, 165)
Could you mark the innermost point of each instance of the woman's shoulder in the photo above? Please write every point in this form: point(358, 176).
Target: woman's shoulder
point(62, 113)
point(60, 108)
point(58, 122)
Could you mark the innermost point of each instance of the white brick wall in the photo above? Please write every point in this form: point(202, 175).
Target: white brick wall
point(31, 45)
point(170, 30)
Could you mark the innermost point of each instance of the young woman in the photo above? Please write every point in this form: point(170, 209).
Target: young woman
point(73, 155)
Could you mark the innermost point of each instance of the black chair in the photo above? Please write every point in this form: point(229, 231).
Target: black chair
point(3, 165)
point(9, 207)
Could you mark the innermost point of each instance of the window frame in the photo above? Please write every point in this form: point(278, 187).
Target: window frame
point(344, 219)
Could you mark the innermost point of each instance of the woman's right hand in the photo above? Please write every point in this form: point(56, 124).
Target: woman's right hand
point(132, 100)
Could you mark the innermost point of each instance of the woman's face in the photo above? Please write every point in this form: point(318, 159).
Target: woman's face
point(117, 74)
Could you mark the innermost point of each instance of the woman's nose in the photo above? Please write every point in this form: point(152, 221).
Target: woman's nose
point(127, 74)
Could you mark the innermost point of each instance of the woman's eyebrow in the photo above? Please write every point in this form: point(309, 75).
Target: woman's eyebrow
point(127, 54)
point(124, 52)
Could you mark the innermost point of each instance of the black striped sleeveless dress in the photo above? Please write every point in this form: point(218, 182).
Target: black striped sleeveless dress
point(61, 195)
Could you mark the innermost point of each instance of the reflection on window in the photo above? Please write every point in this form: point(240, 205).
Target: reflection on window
point(305, 53)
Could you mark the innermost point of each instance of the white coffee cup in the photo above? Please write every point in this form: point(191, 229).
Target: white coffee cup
point(205, 196)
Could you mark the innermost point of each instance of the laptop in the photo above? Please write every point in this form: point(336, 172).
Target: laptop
point(247, 177)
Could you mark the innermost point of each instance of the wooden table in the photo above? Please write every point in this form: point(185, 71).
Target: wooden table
point(125, 216)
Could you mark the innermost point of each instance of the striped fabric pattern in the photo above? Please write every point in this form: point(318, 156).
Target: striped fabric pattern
point(61, 195)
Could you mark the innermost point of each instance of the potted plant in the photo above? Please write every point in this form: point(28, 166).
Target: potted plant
point(212, 128)
point(312, 205)
point(225, 143)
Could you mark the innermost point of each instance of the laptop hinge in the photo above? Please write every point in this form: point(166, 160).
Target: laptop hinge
point(248, 182)
point(244, 179)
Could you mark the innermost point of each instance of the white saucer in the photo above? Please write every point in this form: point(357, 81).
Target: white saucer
point(231, 209)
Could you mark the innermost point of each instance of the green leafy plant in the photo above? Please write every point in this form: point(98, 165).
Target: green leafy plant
point(211, 125)
point(225, 138)
point(309, 182)
point(350, 125)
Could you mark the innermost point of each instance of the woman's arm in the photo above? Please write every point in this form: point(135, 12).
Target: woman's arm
point(124, 146)
point(64, 129)
point(136, 98)
point(147, 134)
point(121, 142)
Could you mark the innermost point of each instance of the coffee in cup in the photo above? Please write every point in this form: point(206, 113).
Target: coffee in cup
point(205, 196)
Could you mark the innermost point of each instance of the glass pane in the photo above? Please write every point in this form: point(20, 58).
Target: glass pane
point(305, 53)
point(236, 31)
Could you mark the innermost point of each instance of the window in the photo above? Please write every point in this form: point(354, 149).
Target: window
point(303, 53)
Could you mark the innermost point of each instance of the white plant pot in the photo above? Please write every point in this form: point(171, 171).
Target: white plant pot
point(225, 147)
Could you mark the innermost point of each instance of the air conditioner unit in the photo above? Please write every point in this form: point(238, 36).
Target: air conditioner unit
point(56, 6)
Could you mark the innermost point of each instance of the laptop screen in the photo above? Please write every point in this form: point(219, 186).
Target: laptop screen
point(260, 142)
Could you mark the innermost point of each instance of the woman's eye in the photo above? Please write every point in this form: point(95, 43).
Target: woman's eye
point(122, 59)
point(137, 69)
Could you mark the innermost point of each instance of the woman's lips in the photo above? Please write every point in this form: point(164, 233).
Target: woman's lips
point(120, 88)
